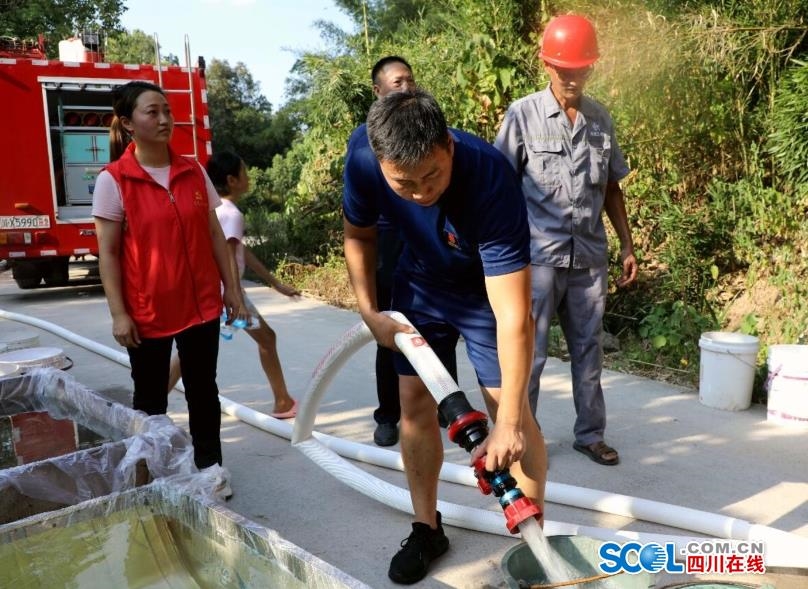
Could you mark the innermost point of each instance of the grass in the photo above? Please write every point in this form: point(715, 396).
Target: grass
point(329, 283)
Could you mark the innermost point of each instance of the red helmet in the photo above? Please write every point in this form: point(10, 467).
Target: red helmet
point(569, 41)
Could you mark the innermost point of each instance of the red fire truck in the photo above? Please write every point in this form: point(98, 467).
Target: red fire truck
point(54, 124)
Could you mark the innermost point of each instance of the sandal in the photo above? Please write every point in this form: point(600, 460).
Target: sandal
point(286, 414)
point(598, 452)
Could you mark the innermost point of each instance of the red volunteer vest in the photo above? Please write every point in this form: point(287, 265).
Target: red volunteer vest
point(170, 279)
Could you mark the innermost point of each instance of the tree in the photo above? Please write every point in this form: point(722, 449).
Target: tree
point(385, 17)
point(474, 57)
point(241, 117)
point(134, 47)
point(59, 19)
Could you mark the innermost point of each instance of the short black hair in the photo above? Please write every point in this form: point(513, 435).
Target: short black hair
point(221, 165)
point(384, 62)
point(404, 127)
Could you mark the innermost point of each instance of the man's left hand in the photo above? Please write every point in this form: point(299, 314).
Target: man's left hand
point(503, 446)
point(630, 268)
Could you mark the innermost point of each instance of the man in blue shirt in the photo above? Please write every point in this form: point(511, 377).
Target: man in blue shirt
point(464, 271)
point(390, 74)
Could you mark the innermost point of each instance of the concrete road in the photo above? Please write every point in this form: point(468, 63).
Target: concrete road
point(673, 449)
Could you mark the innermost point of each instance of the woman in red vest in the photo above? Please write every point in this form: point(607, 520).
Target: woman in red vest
point(163, 258)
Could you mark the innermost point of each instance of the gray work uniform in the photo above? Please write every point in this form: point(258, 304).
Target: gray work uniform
point(564, 170)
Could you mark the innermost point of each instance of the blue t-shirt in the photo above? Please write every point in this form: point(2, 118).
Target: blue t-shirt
point(477, 228)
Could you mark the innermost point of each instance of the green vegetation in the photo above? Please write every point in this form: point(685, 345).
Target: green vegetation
point(134, 47)
point(711, 111)
point(58, 19)
point(707, 100)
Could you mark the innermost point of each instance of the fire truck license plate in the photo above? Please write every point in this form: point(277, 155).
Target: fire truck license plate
point(25, 222)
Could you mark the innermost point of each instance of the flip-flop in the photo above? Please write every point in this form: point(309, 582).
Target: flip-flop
point(597, 451)
point(286, 414)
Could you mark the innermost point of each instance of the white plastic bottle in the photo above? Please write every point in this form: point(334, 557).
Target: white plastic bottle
point(227, 330)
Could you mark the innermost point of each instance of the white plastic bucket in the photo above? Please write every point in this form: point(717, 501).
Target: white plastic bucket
point(29, 358)
point(9, 370)
point(727, 371)
point(19, 341)
point(788, 385)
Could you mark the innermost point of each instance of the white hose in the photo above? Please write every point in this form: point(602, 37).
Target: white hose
point(790, 548)
point(63, 333)
point(784, 549)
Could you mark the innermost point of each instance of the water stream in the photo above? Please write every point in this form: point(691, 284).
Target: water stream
point(557, 570)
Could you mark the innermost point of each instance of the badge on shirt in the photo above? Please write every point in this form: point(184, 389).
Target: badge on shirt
point(596, 136)
point(450, 236)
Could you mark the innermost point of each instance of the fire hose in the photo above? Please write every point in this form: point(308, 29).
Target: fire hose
point(785, 549)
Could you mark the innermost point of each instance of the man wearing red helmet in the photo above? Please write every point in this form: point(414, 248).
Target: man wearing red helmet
point(563, 146)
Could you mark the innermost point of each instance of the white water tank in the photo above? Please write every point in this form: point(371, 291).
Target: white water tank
point(72, 50)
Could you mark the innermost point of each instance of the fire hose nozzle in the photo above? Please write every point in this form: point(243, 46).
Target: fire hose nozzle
point(480, 475)
point(516, 507)
point(468, 428)
point(518, 511)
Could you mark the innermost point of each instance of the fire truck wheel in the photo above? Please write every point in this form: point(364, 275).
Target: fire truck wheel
point(56, 272)
point(26, 274)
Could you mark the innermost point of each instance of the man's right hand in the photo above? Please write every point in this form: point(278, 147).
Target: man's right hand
point(384, 328)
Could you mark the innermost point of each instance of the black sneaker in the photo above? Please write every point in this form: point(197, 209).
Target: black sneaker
point(424, 545)
point(386, 434)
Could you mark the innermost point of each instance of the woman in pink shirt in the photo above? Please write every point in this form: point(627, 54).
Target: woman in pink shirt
point(162, 257)
point(229, 175)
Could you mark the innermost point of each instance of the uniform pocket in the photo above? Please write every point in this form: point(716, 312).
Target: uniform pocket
point(545, 163)
point(600, 151)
